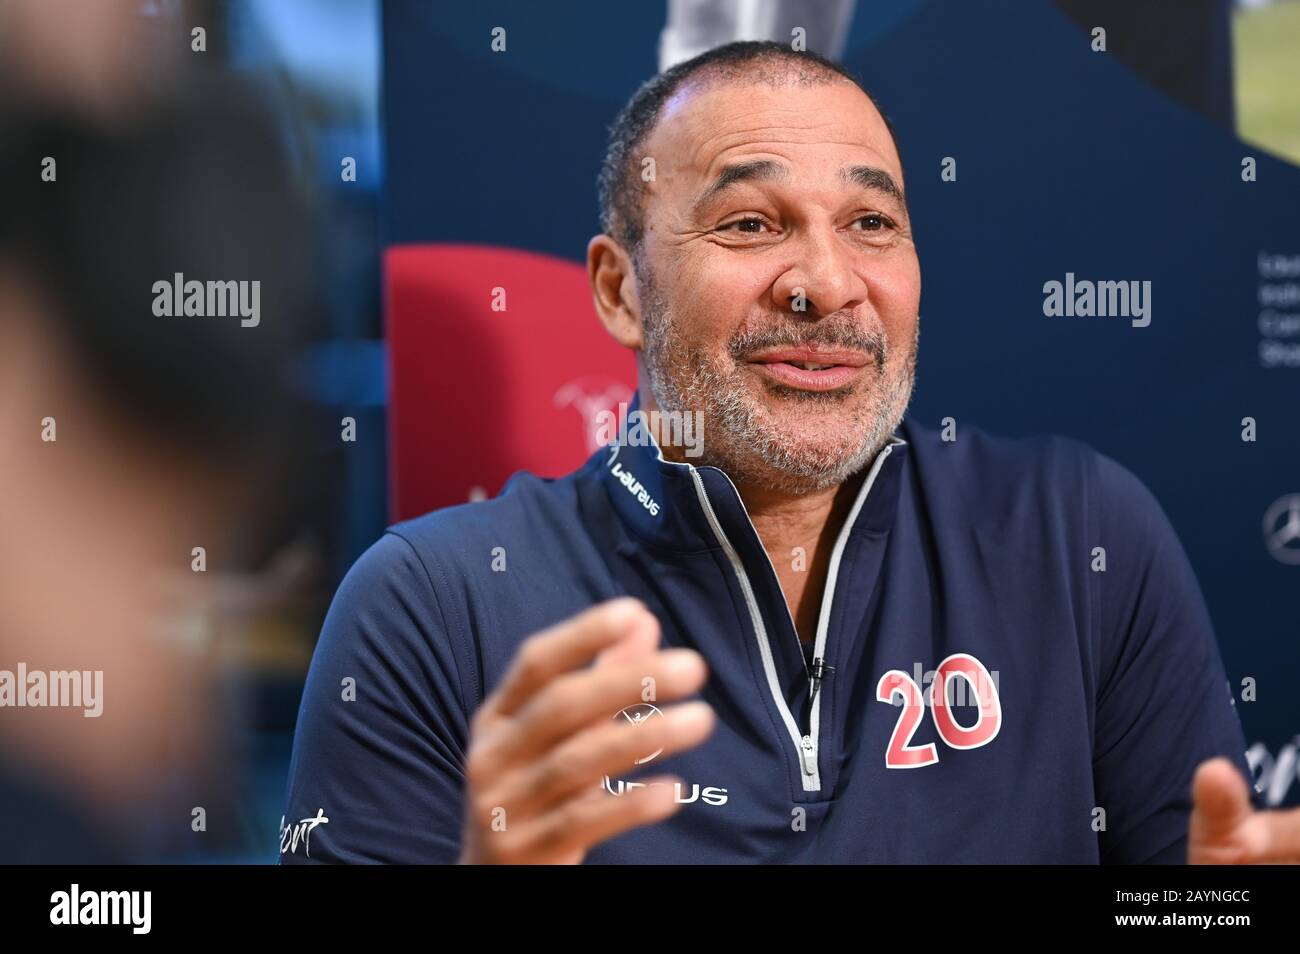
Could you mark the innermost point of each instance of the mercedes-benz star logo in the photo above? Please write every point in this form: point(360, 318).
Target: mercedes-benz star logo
point(640, 715)
point(1282, 529)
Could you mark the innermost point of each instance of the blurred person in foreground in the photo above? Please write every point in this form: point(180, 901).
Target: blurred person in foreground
point(136, 424)
point(901, 647)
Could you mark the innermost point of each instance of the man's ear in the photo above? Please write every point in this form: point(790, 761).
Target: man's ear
point(613, 291)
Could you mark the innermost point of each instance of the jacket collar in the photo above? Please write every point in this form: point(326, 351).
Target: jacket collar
point(668, 504)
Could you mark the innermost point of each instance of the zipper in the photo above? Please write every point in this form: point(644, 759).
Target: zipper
point(805, 743)
point(832, 580)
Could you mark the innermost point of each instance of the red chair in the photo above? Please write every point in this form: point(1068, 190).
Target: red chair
point(476, 394)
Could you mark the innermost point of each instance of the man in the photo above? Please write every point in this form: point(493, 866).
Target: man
point(902, 649)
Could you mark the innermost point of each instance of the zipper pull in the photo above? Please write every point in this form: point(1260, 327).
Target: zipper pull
point(808, 755)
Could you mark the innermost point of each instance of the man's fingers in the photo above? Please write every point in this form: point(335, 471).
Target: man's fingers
point(641, 640)
point(1226, 829)
point(1280, 836)
point(580, 699)
point(604, 750)
point(564, 647)
point(535, 720)
point(581, 823)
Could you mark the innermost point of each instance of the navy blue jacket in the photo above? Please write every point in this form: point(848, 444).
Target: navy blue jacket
point(1082, 681)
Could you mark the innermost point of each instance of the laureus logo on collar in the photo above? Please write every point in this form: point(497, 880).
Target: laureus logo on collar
point(633, 485)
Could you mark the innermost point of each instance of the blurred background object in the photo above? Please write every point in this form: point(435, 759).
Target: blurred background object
point(184, 141)
point(697, 25)
point(1266, 51)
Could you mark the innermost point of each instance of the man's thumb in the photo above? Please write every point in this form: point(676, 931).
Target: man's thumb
point(1220, 799)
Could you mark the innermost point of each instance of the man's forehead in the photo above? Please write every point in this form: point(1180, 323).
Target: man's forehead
point(703, 128)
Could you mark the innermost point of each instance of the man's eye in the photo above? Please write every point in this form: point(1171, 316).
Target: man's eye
point(751, 226)
point(874, 222)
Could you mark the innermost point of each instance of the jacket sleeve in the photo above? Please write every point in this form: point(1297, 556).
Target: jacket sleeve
point(1163, 700)
point(376, 773)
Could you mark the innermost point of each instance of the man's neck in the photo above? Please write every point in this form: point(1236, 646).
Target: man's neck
point(799, 533)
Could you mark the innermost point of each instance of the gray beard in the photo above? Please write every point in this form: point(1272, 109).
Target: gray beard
point(738, 440)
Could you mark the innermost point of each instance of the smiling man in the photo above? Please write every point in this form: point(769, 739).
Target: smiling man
point(897, 648)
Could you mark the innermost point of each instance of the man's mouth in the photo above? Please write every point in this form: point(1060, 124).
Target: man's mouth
point(810, 369)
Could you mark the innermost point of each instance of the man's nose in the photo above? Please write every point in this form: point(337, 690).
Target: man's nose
point(823, 277)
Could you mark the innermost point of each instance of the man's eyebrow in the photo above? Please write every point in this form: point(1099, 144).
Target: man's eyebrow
point(867, 177)
point(875, 179)
point(750, 170)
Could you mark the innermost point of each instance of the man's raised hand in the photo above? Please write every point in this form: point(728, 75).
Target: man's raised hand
point(1227, 830)
point(541, 743)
